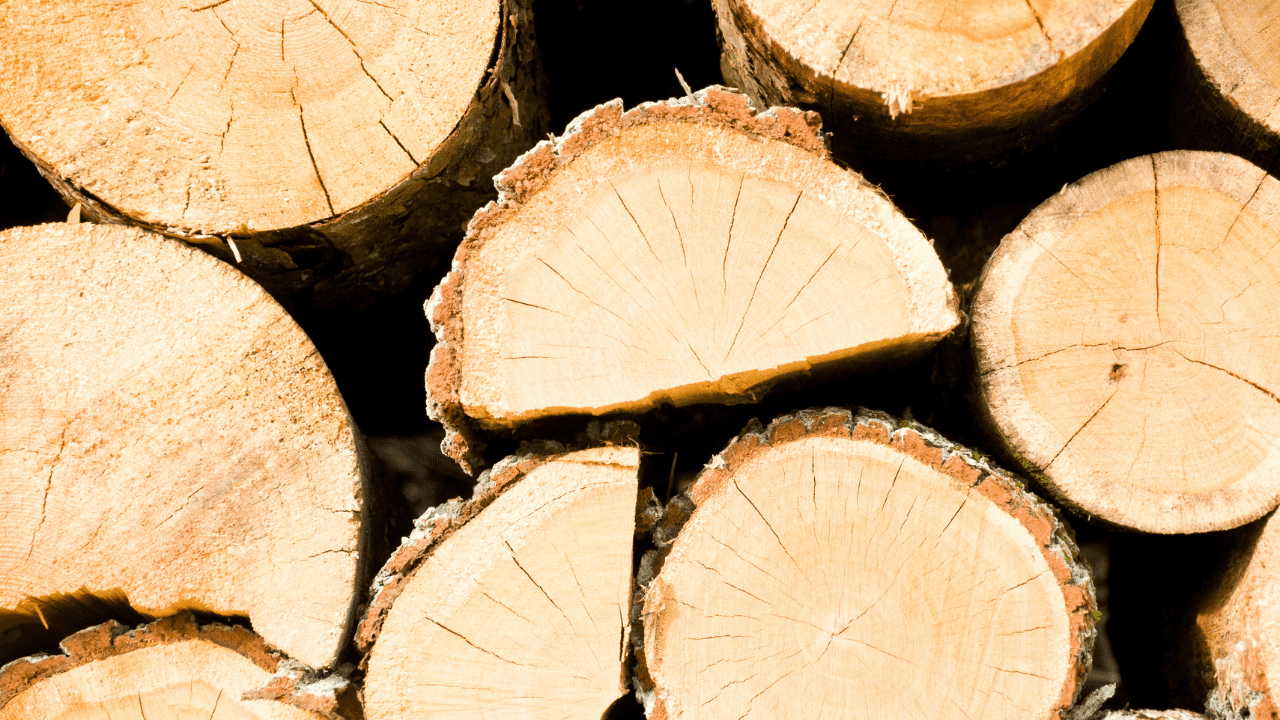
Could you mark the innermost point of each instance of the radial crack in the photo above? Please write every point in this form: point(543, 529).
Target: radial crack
point(311, 154)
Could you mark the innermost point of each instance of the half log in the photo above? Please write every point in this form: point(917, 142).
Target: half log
point(514, 603)
point(1125, 345)
point(166, 430)
point(337, 145)
point(681, 252)
point(942, 79)
point(859, 565)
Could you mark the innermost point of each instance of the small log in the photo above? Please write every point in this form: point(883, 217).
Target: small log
point(1124, 340)
point(172, 668)
point(1228, 81)
point(166, 430)
point(681, 252)
point(514, 603)
point(858, 565)
point(927, 79)
point(336, 147)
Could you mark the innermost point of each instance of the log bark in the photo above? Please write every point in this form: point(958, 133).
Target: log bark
point(866, 566)
point(681, 252)
point(333, 148)
point(1124, 342)
point(170, 668)
point(1228, 81)
point(515, 602)
point(927, 80)
point(166, 430)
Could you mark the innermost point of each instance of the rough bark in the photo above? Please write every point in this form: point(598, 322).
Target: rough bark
point(927, 81)
point(686, 251)
point(167, 431)
point(169, 668)
point(332, 167)
point(1124, 339)
point(868, 565)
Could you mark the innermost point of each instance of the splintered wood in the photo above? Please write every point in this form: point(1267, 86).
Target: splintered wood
point(681, 252)
point(989, 71)
point(170, 669)
point(167, 430)
point(1126, 342)
point(515, 603)
point(205, 119)
point(851, 564)
point(1230, 77)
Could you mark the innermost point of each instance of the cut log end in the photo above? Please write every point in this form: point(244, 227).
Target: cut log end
point(168, 432)
point(862, 564)
point(1124, 338)
point(516, 601)
point(681, 252)
point(170, 668)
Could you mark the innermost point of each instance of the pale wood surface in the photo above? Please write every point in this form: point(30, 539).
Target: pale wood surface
point(682, 252)
point(851, 564)
point(521, 611)
point(925, 67)
point(1125, 337)
point(167, 670)
point(166, 429)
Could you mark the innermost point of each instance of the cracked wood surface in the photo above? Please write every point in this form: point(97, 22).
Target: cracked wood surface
point(307, 129)
point(171, 668)
point(167, 430)
point(988, 71)
point(852, 563)
point(1125, 338)
point(687, 251)
point(1229, 79)
point(515, 603)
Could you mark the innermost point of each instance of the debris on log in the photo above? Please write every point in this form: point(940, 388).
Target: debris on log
point(172, 668)
point(515, 602)
point(941, 80)
point(334, 148)
point(166, 430)
point(1125, 344)
point(867, 566)
point(1227, 89)
point(681, 252)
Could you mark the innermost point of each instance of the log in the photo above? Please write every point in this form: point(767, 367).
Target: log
point(1227, 84)
point(868, 567)
point(681, 252)
point(332, 148)
point(166, 430)
point(1124, 343)
point(513, 603)
point(927, 80)
point(172, 668)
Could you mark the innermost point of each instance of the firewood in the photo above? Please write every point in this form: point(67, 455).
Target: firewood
point(1125, 343)
point(172, 668)
point(859, 565)
point(168, 431)
point(1228, 80)
point(514, 603)
point(334, 146)
point(940, 79)
point(681, 252)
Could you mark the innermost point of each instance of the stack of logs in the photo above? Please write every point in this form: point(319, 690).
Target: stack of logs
point(175, 455)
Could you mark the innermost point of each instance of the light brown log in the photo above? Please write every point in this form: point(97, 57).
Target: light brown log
point(855, 565)
point(941, 79)
point(681, 252)
point(333, 147)
point(166, 430)
point(1125, 344)
point(172, 668)
point(514, 603)
point(1228, 81)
